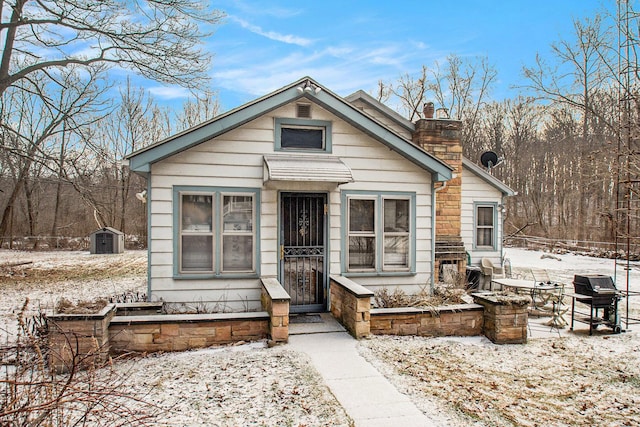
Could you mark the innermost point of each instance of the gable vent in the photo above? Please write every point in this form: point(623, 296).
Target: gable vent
point(303, 111)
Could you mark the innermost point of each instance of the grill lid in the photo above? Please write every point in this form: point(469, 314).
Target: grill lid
point(593, 284)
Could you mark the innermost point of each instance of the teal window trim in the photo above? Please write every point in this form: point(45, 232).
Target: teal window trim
point(378, 196)
point(217, 194)
point(306, 123)
point(494, 206)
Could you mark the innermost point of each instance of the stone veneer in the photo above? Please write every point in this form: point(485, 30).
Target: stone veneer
point(276, 301)
point(441, 138)
point(179, 332)
point(351, 304)
point(506, 317)
point(454, 320)
point(79, 340)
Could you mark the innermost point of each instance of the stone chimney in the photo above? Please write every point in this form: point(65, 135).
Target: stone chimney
point(441, 137)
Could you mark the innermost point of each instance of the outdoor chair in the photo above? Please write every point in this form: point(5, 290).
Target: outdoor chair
point(541, 276)
point(491, 271)
point(488, 269)
point(550, 300)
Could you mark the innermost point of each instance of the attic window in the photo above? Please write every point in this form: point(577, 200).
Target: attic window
point(303, 111)
point(302, 135)
point(302, 138)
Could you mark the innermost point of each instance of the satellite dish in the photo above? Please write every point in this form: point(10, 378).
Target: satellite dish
point(142, 196)
point(489, 159)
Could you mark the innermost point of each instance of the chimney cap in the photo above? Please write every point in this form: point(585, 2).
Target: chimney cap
point(428, 110)
point(442, 113)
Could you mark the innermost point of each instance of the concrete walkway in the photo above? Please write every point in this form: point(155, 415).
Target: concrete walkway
point(367, 397)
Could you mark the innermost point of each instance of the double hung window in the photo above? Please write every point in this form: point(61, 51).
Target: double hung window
point(485, 225)
point(380, 233)
point(217, 232)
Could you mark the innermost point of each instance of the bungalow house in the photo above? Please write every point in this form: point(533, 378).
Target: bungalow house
point(302, 184)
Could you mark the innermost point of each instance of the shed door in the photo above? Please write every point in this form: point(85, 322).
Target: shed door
point(303, 251)
point(104, 243)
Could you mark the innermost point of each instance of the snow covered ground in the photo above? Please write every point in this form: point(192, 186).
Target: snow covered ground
point(561, 380)
point(563, 267)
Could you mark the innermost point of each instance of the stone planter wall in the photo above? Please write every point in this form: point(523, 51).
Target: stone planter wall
point(505, 317)
point(179, 332)
point(351, 305)
point(85, 340)
point(454, 320)
point(79, 340)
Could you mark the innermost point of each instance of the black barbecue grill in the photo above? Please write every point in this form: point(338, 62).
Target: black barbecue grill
point(600, 294)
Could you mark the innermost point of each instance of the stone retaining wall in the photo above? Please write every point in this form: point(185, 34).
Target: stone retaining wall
point(181, 332)
point(455, 320)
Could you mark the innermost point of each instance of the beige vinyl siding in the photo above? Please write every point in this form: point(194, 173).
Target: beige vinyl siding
point(235, 159)
point(477, 190)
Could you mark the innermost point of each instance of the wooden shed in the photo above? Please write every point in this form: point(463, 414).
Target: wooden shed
point(106, 240)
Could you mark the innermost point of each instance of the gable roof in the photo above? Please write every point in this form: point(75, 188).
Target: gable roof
point(141, 160)
point(374, 103)
point(410, 126)
point(487, 177)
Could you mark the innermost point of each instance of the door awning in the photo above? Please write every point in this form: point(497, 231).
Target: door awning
point(309, 168)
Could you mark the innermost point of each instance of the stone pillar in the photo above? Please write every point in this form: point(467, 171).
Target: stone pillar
point(351, 305)
point(505, 317)
point(80, 340)
point(275, 301)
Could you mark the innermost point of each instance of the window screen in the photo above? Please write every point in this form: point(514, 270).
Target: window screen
point(302, 138)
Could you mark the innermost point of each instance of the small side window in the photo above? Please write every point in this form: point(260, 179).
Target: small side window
point(485, 217)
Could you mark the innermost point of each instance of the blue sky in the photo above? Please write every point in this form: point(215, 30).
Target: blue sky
point(348, 45)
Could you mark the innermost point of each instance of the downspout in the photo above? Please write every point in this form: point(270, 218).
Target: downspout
point(148, 213)
point(434, 190)
point(501, 234)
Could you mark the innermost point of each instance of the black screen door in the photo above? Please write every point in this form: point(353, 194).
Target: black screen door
point(302, 250)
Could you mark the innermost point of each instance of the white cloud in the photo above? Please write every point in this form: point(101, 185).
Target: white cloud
point(169, 92)
point(272, 35)
point(268, 9)
point(419, 45)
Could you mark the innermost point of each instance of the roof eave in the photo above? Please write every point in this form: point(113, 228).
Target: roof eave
point(440, 170)
point(383, 109)
point(141, 161)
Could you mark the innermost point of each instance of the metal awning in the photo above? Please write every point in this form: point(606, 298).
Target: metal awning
point(309, 168)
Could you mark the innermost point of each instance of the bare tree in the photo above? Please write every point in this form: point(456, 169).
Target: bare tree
point(195, 111)
point(462, 86)
point(411, 91)
point(158, 38)
point(383, 92)
point(30, 123)
point(581, 70)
